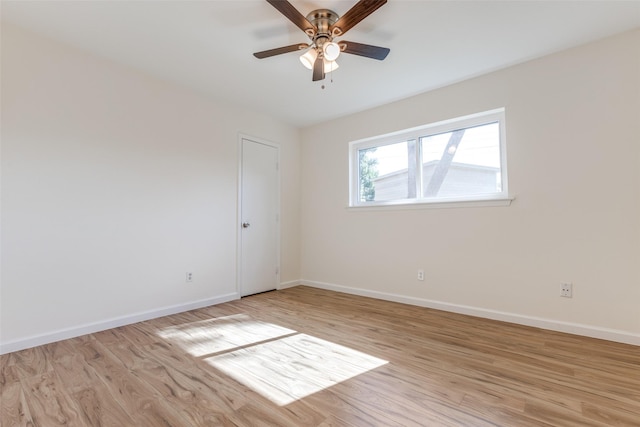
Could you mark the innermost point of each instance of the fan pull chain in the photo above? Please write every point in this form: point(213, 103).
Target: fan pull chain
point(331, 79)
point(331, 75)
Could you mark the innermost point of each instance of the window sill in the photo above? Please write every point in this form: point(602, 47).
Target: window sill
point(436, 204)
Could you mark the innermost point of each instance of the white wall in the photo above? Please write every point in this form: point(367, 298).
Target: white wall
point(114, 185)
point(573, 126)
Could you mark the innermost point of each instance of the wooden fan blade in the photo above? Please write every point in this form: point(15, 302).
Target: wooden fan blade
point(367, 50)
point(280, 50)
point(357, 13)
point(287, 9)
point(318, 69)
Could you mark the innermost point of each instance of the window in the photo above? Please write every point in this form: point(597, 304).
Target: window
point(456, 160)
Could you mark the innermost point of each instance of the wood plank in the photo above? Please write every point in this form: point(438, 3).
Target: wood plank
point(49, 402)
point(14, 410)
point(96, 405)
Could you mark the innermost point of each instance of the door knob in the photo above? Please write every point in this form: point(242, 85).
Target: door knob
point(245, 225)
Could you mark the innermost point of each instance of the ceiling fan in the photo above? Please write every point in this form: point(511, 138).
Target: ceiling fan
point(322, 26)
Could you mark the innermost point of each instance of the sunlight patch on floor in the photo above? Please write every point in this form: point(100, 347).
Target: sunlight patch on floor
point(222, 334)
point(290, 368)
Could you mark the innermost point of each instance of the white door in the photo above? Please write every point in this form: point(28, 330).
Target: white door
point(259, 212)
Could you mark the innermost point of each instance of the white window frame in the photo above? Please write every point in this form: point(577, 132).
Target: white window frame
point(492, 199)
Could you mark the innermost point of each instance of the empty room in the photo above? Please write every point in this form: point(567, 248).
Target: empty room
point(320, 213)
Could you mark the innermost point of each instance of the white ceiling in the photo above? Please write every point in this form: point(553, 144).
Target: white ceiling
point(208, 45)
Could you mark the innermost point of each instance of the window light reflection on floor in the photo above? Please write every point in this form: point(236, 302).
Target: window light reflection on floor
point(290, 368)
point(278, 363)
point(222, 334)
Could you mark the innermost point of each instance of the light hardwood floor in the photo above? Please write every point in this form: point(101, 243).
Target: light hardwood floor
point(309, 357)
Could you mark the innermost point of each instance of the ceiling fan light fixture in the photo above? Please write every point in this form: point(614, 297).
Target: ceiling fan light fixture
point(330, 66)
point(331, 51)
point(308, 58)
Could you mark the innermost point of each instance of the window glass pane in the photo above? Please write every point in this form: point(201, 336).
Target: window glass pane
point(462, 162)
point(457, 160)
point(384, 172)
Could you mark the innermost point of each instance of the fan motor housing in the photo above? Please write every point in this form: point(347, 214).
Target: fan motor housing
point(323, 19)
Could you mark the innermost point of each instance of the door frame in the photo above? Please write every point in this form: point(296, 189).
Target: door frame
point(241, 138)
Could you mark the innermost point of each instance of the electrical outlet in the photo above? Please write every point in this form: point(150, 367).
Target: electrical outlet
point(189, 277)
point(420, 274)
point(566, 290)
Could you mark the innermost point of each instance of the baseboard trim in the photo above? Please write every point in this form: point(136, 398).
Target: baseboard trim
point(554, 325)
point(289, 284)
point(89, 328)
point(537, 322)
